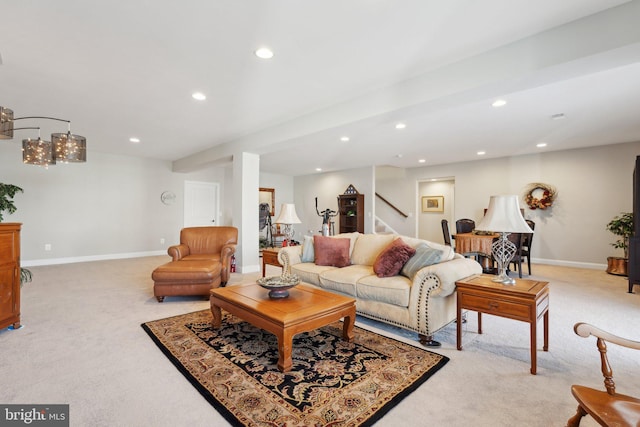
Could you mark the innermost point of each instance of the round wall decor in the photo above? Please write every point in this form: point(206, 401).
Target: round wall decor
point(540, 196)
point(168, 197)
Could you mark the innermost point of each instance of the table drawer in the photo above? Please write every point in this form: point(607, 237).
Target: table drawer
point(505, 308)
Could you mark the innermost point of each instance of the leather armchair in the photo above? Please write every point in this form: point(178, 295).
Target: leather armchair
point(207, 243)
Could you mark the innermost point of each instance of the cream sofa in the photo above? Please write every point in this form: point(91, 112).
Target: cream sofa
point(424, 305)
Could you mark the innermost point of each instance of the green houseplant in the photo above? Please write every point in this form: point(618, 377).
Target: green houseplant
point(622, 226)
point(7, 193)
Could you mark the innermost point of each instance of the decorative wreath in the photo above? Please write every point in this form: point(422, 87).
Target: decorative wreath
point(546, 201)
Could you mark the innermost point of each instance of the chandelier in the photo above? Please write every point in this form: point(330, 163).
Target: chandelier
point(63, 147)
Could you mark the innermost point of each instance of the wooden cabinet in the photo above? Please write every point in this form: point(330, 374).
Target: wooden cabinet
point(351, 211)
point(9, 275)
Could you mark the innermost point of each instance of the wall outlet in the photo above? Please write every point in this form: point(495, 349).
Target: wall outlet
point(47, 246)
point(162, 240)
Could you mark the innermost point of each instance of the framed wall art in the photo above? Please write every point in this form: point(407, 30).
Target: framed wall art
point(433, 204)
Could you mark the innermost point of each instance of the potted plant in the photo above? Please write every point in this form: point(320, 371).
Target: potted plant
point(7, 192)
point(621, 225)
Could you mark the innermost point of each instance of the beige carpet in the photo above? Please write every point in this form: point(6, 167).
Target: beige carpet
point(82, 345)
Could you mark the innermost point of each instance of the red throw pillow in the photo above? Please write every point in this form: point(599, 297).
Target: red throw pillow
point(331, 251)
point(390, 261)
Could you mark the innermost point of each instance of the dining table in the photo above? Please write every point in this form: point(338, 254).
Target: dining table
point(476, 244)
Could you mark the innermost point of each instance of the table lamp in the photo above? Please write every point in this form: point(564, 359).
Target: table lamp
point(504, 217)
point(287, 217)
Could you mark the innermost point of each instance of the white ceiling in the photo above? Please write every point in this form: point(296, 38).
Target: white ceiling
point(354, 68)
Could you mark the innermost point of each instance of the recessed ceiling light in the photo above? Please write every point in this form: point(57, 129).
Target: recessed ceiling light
point(421, 161)
point(541, 145)
point(264, 53)
point(558, 116)
point(434, 179)
point(199, 96)
point(481, 153)
point(318, 169)
point(499, 103)
point(399, 156)
point(344, 139)
point(400, 126)
point(135, 140)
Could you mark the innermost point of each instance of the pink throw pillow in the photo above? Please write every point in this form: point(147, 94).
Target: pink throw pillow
point(391, 260)
point(331, 251)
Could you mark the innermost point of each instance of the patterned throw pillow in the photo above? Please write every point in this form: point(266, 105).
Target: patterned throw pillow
point(425, 255)
point(331, 251)
point(390, 261)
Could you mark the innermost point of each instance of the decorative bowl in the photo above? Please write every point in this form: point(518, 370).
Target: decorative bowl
point(279, 286)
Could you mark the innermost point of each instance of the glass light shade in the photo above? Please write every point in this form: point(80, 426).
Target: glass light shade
point(288, 214)
point(69, 148)
point(6, 123)
point(503, 215)
point(37, 152)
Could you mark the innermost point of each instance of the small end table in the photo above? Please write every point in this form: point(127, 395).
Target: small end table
point(527, 301)
point(269, 256)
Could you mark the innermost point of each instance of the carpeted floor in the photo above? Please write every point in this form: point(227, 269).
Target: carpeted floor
point(332, 382)
point(82, 344)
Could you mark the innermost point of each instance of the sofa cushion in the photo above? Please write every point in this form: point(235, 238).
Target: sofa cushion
point(425, 255)
point(344, 280)
point(447, 251)
point(390, 261)
point(331, 251)
point(368, 246)
point(353, 237)
point(308, 253)
point(309, 272)
point(391, 290)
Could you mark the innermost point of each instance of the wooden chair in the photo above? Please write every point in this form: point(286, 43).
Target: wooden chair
point(527, 238)
point(518, 240)
point(608, 408)
point(445, 232)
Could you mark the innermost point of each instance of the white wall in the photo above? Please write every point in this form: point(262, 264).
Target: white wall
point(107, 207)
point(392, 184)
point(594, 184)
point(326, 187)
point(110, 206)
point(430, 223)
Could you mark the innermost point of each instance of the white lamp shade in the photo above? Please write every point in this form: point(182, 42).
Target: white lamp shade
point(503, 215)
point(288, 214)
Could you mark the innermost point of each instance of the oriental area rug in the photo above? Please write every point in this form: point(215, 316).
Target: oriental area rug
point(332, 382)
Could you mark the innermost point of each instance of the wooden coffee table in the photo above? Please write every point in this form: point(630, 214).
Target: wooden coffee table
point(307, 308)
point(527, 301)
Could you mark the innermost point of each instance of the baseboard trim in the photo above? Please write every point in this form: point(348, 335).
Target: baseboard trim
point(563, 263)
point(71, 260)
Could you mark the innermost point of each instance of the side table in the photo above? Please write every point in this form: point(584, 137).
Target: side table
point(527, 301)
point(269, 256)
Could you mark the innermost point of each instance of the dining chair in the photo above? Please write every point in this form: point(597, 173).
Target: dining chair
point(517, 239)
point(608, 408)
point(525, 252)
point(445, 232)
point(465, 225)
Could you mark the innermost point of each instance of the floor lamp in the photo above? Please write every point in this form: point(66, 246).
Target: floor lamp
point(504, 217)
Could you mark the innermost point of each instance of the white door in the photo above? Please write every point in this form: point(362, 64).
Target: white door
point(201, 200)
